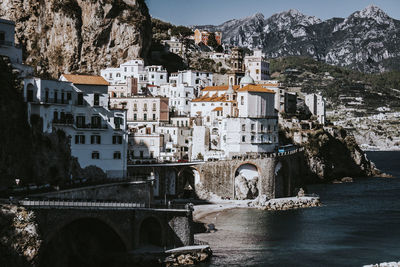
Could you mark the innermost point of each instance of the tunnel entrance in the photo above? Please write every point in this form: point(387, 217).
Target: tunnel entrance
point(246, 181)
point(84, 242)
point(150, 233)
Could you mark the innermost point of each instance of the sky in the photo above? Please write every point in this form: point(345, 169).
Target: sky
point(200, 12)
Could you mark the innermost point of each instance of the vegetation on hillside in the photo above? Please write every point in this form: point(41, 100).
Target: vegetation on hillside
point(380, 89)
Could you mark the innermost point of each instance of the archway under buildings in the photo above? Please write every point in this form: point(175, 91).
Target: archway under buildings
point(246, 181)
point(186, 183)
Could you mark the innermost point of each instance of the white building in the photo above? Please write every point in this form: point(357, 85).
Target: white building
point(7, 41)
point(196, 79)
point(143, 112)
point(131, 68)
point(234, 120)
point(257, 65)
point(78, 105)
point(179, 96)
point(174, 46)
point(156, 75)
point(316, 104)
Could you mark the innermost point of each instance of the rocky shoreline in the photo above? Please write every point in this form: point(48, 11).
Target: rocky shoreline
point(290, 203)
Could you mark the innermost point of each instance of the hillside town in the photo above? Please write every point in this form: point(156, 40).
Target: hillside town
point(138, 114)
point(132, 141)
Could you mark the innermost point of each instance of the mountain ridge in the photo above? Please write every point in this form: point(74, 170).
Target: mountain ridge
point(367, 40)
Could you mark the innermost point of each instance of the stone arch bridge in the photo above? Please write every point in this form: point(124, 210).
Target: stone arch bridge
point(118, 224)
point(278, 175)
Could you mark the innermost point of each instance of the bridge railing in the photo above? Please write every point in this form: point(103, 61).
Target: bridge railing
point(80, 204)
point(268, 154)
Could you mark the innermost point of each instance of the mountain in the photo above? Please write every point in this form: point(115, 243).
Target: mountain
point(79, 36)
point(367, 40)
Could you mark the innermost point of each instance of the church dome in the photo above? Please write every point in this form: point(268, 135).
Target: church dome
point(246, 80)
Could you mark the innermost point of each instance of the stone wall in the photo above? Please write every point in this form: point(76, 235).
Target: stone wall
point(139, 192)
point(278, 176)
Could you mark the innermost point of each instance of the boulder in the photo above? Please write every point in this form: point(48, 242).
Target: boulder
point(241, 187)
point(347, 180)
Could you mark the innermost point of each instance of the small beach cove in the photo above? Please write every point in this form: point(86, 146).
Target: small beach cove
point(357, 225)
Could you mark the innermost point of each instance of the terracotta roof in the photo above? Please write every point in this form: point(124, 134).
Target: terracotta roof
point(255, 88)
point(217, 109)
point(85, 79)
point(220, 88)
point(213, 98)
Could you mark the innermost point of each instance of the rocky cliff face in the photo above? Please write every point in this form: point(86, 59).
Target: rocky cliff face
point(366, 40)
point(79, 35)
point(330, 153)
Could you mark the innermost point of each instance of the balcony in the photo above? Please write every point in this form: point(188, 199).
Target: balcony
point(68, 120)
point(92, 126)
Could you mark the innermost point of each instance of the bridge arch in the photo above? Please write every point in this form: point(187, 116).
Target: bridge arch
point(151, 232)
point(246, 180)
point(188, 178)
point(83, 241)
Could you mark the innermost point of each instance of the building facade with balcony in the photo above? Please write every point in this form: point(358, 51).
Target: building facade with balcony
point(235, 120)
point(78, 105)
point(194, 78)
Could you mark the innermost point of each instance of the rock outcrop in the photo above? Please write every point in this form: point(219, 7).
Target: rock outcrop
point(331, 153)
point(246, 189)
point(19, 237)
point(77, 35)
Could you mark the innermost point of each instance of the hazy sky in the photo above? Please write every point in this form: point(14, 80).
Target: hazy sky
point(197, 12)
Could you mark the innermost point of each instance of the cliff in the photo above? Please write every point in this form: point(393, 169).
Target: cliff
point(330, 153)
point(79, 36)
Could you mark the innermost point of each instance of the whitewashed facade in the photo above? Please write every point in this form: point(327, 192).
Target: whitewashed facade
point(196, 79)
point(234, 120)
point(257, 65)
point(97, 134)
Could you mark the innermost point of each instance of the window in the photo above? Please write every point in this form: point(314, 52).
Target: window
point(252, 126)
point(95, 139)
point(117, 155)
point(62, 97)
point(145, 116)
point(96, 122)
point(95, 155)
point(161, 77)
point(134, 107)
point(111, 75)
point(135, 117)
point(55, 96)
point(118, 122)
point(80, 121)
point(141, 154)
point(69, 96)
point(242, 100)
point(80, 98)
point(46, 98)
point(243, 127)
point(125, 69)
point(154, 107)
point(117, 139)
point(118, 74)
point(2, 37)
point(243, 138)
point(55, 116)
point(145, 107)
point(96, 100)
point(79, 139)
point(252, 138)
point(154, 117)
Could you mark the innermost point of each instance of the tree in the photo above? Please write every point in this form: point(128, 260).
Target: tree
point(212, 41)
point(219, 49)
